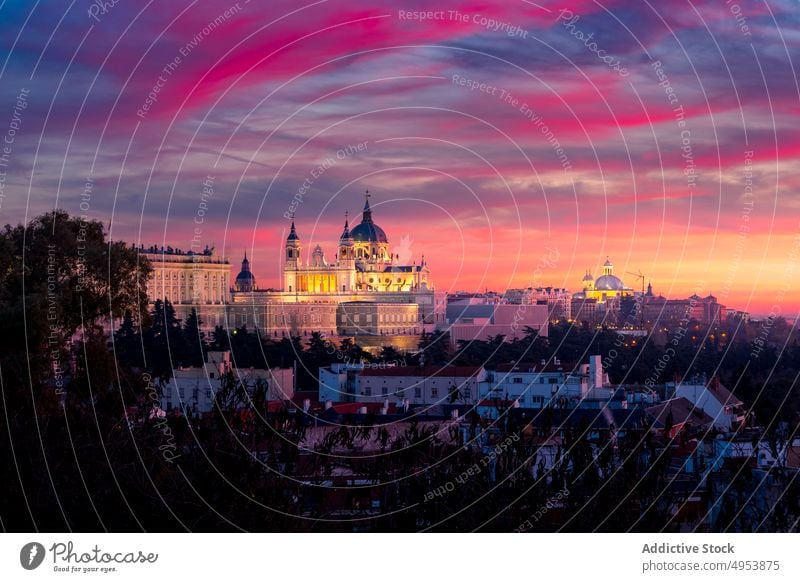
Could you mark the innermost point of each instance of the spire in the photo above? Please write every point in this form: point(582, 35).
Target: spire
point(245, 262)
point(367, 217)
point(292, 233)
point(346, 232)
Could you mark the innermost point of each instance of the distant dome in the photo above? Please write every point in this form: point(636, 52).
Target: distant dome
point(609, 283)
point(245, 281)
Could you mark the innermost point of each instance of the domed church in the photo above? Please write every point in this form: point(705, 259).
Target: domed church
point(606, 286)
point(363, 264)
point(366, 289)
point(245, 281)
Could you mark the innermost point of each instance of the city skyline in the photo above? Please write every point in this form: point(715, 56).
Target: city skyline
point(402, 253)
point(489, 134)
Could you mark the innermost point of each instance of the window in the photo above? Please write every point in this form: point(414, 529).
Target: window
point(368, 391)
point(541, 380)
point(384, 391)
point(434, 392)
point(417, 392)
point(517, 380)
point(554, 380)
point(538, 401)
point(467, 393)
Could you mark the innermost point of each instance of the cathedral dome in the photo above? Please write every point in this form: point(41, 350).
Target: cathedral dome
point(368, 231)
point(609, 283)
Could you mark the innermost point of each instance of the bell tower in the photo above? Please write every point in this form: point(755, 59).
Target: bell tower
point(347, 260)
point(293, 248)
point(347, 252)
point(293, 263)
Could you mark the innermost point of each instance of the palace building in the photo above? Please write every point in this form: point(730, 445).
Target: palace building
point(199, 280)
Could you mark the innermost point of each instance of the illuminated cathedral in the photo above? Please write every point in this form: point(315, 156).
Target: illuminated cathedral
point(363, 264)
point(365, 290)
point(606, 287)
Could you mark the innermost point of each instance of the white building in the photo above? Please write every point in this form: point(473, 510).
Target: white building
point(546, 383)
point(194, 389)
point(533, 386)
point(190, 280)
point(421, 385)
point(713, 399)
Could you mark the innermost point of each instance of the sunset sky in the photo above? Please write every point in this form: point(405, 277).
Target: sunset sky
point(493, 135)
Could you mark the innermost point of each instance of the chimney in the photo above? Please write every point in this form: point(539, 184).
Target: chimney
point(595, 372)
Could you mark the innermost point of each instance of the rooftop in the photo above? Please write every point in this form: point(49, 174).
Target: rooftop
point(425, 371)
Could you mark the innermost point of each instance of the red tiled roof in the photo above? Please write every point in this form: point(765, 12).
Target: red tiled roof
point(519, 367)
point(353, 407)
point(524, 367)
point(723, 394)
point(424, 371)
point(496, 403)
point(682, 411)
